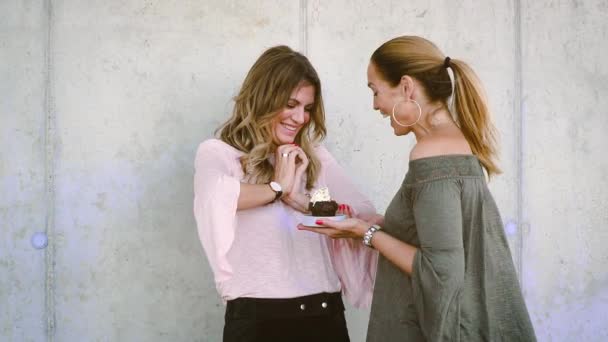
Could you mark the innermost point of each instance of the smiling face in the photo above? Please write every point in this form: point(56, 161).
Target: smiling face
point(386, 96)
point(381, 91)
point(296, 114)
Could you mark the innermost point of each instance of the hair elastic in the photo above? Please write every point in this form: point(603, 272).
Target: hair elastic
point(446, 62)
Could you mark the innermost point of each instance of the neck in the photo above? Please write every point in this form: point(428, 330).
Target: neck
point(433, 118)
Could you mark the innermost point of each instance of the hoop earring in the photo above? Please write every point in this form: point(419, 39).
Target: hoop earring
point(415, 122)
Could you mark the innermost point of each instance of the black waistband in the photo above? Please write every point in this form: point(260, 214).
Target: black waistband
point(267, 308)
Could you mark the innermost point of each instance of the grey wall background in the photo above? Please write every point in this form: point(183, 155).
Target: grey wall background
point(103, 103)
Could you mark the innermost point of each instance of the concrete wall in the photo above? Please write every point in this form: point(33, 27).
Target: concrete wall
point(23, 200)
point(104, 102)
point(565, 167)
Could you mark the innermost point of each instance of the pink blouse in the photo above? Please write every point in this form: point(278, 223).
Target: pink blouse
point(259, 252)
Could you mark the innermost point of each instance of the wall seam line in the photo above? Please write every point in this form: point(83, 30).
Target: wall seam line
point(303, 27)
point(519, 128)
point(49, 173)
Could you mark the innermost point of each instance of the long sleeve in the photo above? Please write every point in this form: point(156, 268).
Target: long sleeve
point(216, 193)
point(354, 263)
point(439, 265)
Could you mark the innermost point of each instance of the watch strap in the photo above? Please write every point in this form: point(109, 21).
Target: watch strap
point(278, 193)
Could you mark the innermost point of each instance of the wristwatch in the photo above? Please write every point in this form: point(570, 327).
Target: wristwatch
point(367, 237)
point(276, 187)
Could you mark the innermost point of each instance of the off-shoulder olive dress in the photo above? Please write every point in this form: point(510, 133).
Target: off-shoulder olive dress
point(463, 285)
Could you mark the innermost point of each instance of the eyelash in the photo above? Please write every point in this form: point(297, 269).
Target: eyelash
point(290, 106)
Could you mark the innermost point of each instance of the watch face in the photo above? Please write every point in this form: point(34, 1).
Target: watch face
point(275, 186)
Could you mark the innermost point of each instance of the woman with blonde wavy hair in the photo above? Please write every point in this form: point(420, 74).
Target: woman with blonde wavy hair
point(251, 190)
point(445, 271)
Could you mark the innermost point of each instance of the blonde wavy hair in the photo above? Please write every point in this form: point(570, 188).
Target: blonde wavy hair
point(264, 94)
point(422, 60)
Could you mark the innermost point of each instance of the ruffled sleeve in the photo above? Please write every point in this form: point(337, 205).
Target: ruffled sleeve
point(438, 268)
point(354, 263)
point(216, 193)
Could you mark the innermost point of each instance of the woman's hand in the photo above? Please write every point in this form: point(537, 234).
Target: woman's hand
point(285, 167)
point(345, 209)
point(295, 195)
point(350, 228)
point(301, 166)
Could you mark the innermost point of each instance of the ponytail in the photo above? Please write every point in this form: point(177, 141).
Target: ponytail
point(473, 115)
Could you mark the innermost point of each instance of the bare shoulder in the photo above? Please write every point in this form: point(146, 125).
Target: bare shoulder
point(440, 145)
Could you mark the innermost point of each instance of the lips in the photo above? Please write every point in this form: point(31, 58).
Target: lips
point(289, 129)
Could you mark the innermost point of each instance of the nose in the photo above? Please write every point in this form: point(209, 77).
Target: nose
point(298, 115)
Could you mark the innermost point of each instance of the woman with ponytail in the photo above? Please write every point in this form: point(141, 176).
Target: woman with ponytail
point(445, 271)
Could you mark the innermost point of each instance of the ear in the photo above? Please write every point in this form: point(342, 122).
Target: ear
point(407, 85)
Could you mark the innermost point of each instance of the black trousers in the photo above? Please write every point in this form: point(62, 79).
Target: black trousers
point(314, 318)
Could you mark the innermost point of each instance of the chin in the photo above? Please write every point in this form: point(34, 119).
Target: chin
point(399, 133)
point(285, 140)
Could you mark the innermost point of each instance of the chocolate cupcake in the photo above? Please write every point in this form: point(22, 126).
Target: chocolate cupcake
point(321, 203)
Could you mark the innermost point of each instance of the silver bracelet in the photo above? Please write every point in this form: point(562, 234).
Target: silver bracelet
point(367, 237)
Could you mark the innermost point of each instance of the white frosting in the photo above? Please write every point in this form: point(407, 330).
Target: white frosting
point(320, 195)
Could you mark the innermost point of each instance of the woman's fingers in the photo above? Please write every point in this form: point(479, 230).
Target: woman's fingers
point(303, 157)
point(349, 228)
point(292, 152)
point(345, 209)
point(300, 158)
point(331, 232)
point(284, 168)
point(290, 164)
point(347, 224)
point(303, 160)
point(285, 151)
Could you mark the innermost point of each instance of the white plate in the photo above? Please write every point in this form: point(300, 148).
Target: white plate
point(310, 220)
